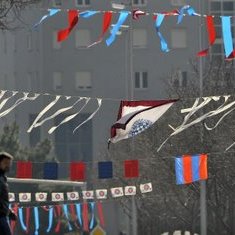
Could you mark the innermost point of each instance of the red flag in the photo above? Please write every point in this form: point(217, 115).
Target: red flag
point(77, 171)
point(211, 35)
point(107, 18)
point(24, 169)
point(131, 168)
point(73, 20)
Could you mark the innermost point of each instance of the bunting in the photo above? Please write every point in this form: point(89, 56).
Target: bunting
point(211, 35)
point(73, 20)
point(189, 169)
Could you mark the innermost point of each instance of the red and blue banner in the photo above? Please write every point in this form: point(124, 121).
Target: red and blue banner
point(191, 168)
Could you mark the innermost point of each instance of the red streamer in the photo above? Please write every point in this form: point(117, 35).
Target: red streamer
point(85, 217)
point(13, 222)
point(100, 213)
point(57, 214)
point(73, 20)
point(107, 19)
point(27, 218)
point(73, 214)
point(211, 35)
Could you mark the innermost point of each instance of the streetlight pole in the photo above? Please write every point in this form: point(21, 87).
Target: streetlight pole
point(203, 208)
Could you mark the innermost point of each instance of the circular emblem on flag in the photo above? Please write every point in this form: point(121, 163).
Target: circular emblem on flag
point(41, 196)
point(139, 126)
point(57, 196)
point(24, 197)
point(130, 190)
point(117, 191)
point(88, 194)
point(101, 193)
point(72, 195)
point(146, 187)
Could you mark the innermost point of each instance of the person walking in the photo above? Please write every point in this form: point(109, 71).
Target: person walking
point(5, 213)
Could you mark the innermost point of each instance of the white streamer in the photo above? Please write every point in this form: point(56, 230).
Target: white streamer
point(196, 106)
point(18, 102)
point(99, 101)
point(48, 107)
point(60, 111)
point(67, 119)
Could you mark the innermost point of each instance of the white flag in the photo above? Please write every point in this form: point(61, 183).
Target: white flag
point(11, 197)
point(24, 197)
point(101, 193)
point(88, 194)
point(146, 188)
point(137, 116)
point(41, 197)
point(57, 197)
point(130, 190)
point(117, 192)
point(72, 196)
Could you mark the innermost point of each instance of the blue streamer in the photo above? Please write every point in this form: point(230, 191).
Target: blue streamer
point(87, 14)
point(22, 219)
point(51, 13)
point(93, 215)
point(50, 219)
point(123, 16)
point(78, 209)
point(158, 22)
point(65, 207)
point(188, 9)
point(227, 35)
point(36, 218)
point(179, 171)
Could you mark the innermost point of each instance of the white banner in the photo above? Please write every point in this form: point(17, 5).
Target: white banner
point(117, 192)
point(11, 197)
point(130, 190)
point(146, 188)
point(57, 197)
point(25, 197)
point(88, 194)
point(41, 197)
point(101, 193)
point(72, 196)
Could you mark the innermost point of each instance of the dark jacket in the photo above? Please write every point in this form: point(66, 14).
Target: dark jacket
point(4, 201)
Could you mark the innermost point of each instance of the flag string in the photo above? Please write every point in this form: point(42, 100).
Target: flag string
point(129, 12)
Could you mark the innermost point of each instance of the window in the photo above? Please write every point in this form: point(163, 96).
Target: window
point(139, 2)
point(178, 38)
point(178, 2)
point(228, 6)
point(56, 44)
point(217, 48)
point(30, 81)
point(14, 43)
point(139, 38)
point(83, 81)
point(29, 41)
point(4, 42)
point(57, 3)
point(57, 81)
point(180, 79)
point(82, 2)
point(141, 80)
point(82, 38)
point(73, 146)
point(35, 134)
